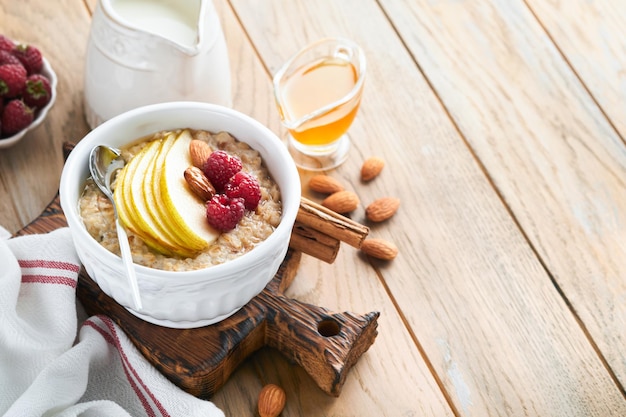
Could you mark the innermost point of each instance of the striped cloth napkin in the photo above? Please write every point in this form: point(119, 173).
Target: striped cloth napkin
point(54, 363)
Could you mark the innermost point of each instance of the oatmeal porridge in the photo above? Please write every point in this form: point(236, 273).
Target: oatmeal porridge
point(256, 225)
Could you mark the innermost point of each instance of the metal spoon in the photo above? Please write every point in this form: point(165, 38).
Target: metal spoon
point(104, 161)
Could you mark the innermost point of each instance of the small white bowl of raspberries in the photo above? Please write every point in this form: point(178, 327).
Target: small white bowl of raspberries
point(27, 89)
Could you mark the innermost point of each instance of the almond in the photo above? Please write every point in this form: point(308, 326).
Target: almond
point(272, 400)
point(371, 168)
point(199, 183)
point(379, 248)
point(341, 202)
point(325, 184)
point(381, 209)
point(199, 151)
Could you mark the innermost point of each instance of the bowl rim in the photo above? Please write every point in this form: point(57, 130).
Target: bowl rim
point(289, 207)
point(43, 112)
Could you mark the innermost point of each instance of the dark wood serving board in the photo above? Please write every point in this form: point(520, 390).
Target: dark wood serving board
point(325, 344)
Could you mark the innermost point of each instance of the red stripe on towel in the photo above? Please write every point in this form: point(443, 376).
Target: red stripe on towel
point(111, 340)
point(49, 279)
point(114, 340)
point(41, 263)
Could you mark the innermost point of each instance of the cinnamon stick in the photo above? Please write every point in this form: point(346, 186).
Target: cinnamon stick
point(315, 243)
point(330, 223)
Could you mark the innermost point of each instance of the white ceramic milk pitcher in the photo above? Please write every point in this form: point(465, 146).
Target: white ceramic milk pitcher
point(150, 51)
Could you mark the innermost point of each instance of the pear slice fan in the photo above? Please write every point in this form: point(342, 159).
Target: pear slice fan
point(155, 202)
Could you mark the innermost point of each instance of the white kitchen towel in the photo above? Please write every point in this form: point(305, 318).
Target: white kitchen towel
point(51, 364)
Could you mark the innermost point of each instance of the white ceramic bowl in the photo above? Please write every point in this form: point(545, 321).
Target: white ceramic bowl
point(192, 298)
point(48, 72)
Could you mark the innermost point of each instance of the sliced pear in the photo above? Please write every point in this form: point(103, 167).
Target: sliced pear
point(152, 188)
point(124, 211)
point(120, 203)
point(153, 202)
point(186, 215)
point(132, 209)
point(158, 238)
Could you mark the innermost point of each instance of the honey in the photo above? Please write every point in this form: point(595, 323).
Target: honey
point(320, 90)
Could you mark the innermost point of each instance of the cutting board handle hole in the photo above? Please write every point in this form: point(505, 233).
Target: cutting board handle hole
point(328, 327)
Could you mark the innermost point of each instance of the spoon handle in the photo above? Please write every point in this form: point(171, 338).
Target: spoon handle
point(127, 258)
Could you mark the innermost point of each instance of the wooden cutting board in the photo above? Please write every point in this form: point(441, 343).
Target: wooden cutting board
point(324, 343)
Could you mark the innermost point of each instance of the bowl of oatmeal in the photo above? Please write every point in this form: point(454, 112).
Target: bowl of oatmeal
point(193, 273)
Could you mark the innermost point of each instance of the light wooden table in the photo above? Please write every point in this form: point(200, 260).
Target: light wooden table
point(503, 124)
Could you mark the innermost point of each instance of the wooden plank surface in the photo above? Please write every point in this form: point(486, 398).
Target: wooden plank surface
point(592, 36)
point(547, 147)
point(489, 301)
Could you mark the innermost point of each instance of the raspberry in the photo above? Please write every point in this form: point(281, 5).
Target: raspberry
point(6, 57)
point(245, 186)
point(30, 57)
point(223, 213)
point(220, 167)
point(37, 91)
point(6, 44)
point(15, 117)
point(12, 80)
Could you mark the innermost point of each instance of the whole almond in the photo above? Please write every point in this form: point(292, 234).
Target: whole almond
point(382, 208)
point(341, 202)
point(199, 183)
point(199, 151)
point(379, 248)
point(371, 168)
point(272, 399)
point(324, 184)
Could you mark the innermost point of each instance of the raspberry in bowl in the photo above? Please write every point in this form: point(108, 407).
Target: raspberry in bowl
point(27, 90)
point(230, 241)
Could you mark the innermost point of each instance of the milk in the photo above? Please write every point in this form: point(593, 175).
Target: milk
point(165, 18)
